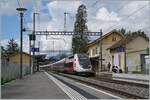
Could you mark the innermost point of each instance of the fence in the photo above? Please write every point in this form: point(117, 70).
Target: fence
point(11, 71)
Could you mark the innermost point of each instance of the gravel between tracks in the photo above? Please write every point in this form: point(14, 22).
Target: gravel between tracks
point(138, 91)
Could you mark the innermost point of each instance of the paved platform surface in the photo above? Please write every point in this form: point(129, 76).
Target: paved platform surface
point(136, 78)
point(43, 85)
point(36, 86)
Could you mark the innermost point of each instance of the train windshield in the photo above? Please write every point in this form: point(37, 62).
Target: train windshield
point(84, 59)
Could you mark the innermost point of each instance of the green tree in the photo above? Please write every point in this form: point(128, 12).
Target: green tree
point(3, 51)
point(130, 34)
point(12, 46)
point(80, 39)
point(122, 30)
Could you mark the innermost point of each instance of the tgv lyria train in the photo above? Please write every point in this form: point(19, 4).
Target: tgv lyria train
point(77, 63)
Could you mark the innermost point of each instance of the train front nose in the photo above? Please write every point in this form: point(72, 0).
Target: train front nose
point(86, 66)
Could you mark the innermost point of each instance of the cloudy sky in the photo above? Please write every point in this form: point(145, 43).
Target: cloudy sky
point(102, 14)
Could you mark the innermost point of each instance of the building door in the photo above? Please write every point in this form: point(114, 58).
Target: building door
point(116, 59)
point(144, 63)
point(147, 64)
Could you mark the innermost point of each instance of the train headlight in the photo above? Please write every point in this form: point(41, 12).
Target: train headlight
point(81, 66)
point(89, 66)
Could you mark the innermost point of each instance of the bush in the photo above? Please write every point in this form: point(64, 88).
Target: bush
point(136, 72)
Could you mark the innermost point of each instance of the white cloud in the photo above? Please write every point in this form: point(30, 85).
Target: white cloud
point(104, 15)
point(135, 16)
point(115, 20)
point(103, 19)
point(57, 9)
point(8, 7)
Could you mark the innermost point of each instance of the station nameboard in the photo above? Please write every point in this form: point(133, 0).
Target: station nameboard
point(35, 49)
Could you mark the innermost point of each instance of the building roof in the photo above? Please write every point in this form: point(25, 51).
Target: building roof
point(104, 36)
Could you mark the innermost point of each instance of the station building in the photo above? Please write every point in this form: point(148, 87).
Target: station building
point(131, 51)
point(94, 48)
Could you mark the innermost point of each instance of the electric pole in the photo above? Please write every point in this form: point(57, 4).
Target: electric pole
point(100, 52)
point(34, 41)
point(65, 16)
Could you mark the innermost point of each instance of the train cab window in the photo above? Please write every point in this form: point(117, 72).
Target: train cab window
point(84, 59)
point(71, 57)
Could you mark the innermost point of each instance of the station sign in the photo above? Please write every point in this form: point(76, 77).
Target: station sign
point(120, 49)
point(35, 49)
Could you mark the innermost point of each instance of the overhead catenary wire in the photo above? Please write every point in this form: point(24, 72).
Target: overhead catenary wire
point(119, 9)
point(94, 3)
point(19, 3)
point(126, 17)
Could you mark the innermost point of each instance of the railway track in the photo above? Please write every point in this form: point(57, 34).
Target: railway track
point(126, 89)
point(121, 82)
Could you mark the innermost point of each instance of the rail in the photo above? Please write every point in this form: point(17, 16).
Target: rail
point(128, 89)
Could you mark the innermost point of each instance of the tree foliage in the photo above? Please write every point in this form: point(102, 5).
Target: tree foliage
point(130, 34)
point(11, 48)
point(3, 51)
point(122, 30)
point(80, 39)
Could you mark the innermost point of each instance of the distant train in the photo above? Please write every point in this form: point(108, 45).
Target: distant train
point(75, 64)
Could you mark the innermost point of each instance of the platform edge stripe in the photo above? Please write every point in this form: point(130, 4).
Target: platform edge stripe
point(100, 91)
point(74, 95)
point(56, 82)
point(68, 90)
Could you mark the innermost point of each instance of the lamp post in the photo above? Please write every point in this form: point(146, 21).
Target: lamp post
point(21, 11)
point(34, 40)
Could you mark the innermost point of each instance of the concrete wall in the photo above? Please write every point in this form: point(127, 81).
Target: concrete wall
point(135, 48)
point(10, 71)
point(16, 59)
point(137, 44)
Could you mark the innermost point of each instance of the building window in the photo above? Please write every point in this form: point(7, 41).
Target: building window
point(93, 52)
point(112, 60)
point(96, 50)
point(113, 38)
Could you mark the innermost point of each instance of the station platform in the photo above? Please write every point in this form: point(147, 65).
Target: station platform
point(35, 86)
point(136, 78)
